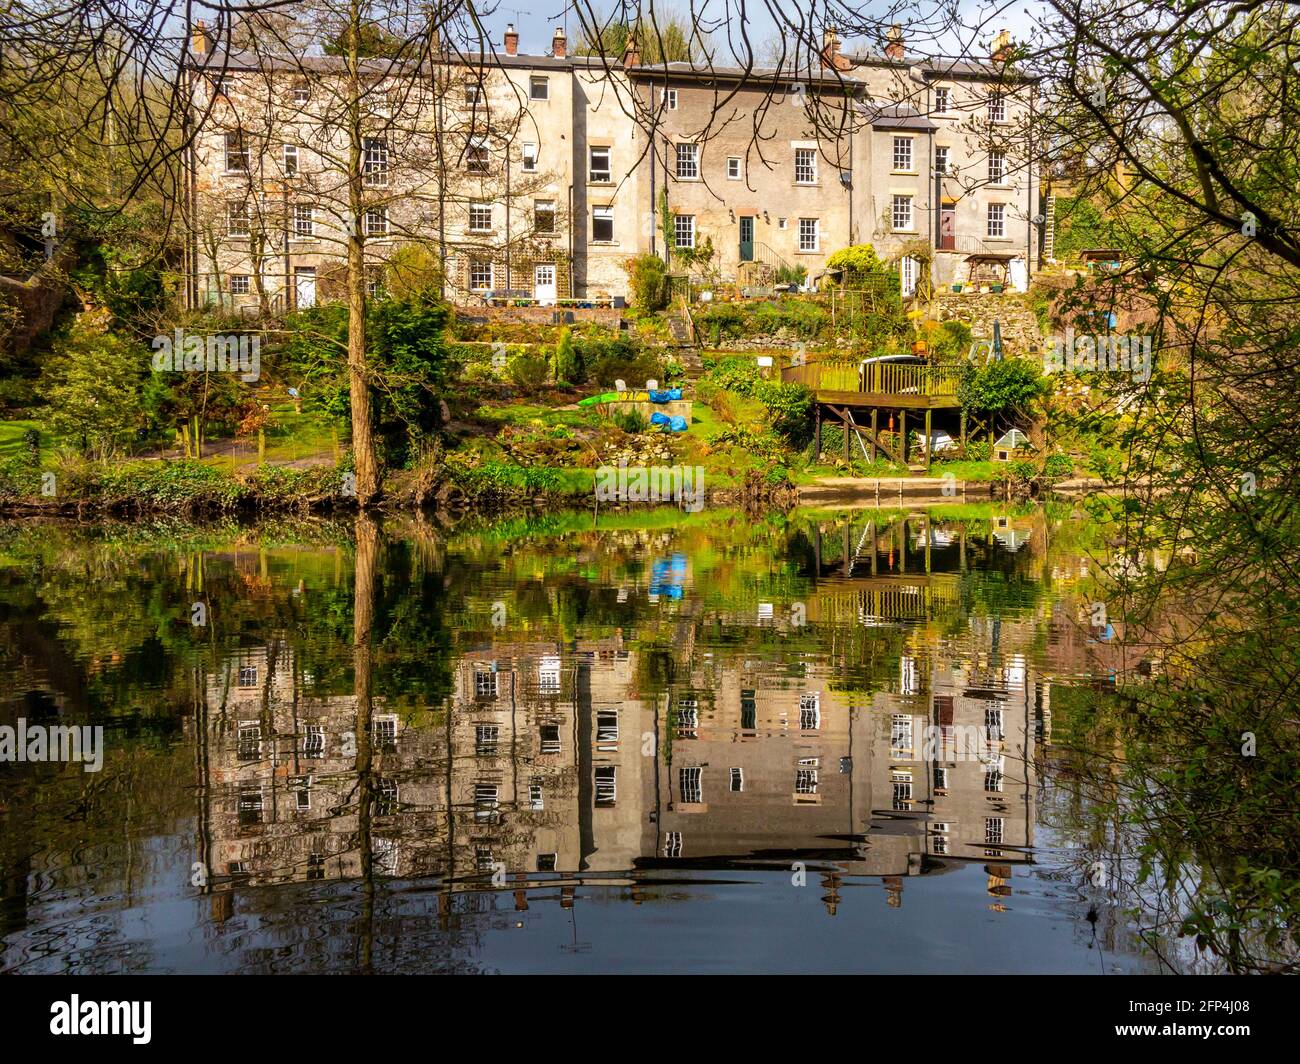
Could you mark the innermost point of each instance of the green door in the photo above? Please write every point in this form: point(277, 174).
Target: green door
point(746, 239)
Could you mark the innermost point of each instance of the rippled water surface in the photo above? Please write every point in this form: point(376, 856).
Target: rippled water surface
point(639, 742)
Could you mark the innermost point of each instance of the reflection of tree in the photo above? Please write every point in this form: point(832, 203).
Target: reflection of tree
point(363, 619)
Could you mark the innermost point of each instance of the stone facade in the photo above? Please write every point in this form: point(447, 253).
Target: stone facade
point(544, 175)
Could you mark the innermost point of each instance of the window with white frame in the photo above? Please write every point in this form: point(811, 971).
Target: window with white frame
point(993, 827)
point(901, 212)
point(997, 107)
point(684, 230)
point(902, 785)
point(805, 781)
point(940, 159)
point(236, 154)
point(291, 160)
point(536, 794)
point(607, 729)
point(384, 730)
point(238, 222)
point(997, 167)
point(907, 675)
point(940, 777)
point(302, 793)
point(304, 220)
point(486, 738)
point(737, 779)
point(250, 805)
point(376, 221)
point(529, 155)
point(690, 785)
point(903, 154)
point(809, 238)
point(374, 162)
point(480, 217)
point(672, 843)
point(539, 88)
point(480, 280)
point(599, 168)
point(733, 167)
point(997, 220)
point(993, 724)
point(301, 94)
point(476, 155)
point(993, 777)
point(249, 745)
point(239, 284)
point(550, 738)
point(602, 225)
point(473, 93)
point(810, 714)
point(688, 715)
point(805, 166)
point(942, 99)
point(606, 786)
point(544, 216)
point(484, 860)
point(670, 99)
point(688, 161)
point(374, 280)
point(908, 268)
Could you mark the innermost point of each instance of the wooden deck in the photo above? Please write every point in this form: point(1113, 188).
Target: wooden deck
point(882, 385)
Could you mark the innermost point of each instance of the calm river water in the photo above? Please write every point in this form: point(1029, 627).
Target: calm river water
point(640, 742)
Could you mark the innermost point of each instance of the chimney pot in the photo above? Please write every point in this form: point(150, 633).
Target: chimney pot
point(631, 51)
point(200, 39)
point(511, 40)
point(895, 46)
point(1002, 47)
point(831, 50)
point(558, 43)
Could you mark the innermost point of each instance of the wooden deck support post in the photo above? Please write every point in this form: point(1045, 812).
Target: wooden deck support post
point(874, 416)
point(817, 432)
point(963, 433)
point(928, 440)
point(848, 448)
point(902, 434)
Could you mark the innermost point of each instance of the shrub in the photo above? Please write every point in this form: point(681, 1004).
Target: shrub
point(617, 358)
point(648, 277)
point(564, 363)
point(978, 450)
point(632, 422)
point(1007, 387)
point(1057, 465)
point(94, 385)
point(527, 370)
point(858, 262)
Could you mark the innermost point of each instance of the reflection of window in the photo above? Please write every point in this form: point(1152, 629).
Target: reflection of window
point(940, 777)
point(993, 724)
point(546, 862)
point(607, 729)
point(250, 740)
point(313, 742)
point(248, 676)
point(737, 779)
point(993, 830)
point(302, 794)
point(384, 730)
point(606, 786)
point(690, 783)
point(483, 858)
point(315, 866)
point(748, 711)
point(485, 803)
point(486, 737)
point(810, 714)
point(599, 169)
point(485, 683)
point(805, 781)
point(688, 716)
point(993, 778)
point(550, 734)
point(548, 675)
point(250, 805)
point(536, 799)
point(386, 796)
point(672, 843)
point(900, 735)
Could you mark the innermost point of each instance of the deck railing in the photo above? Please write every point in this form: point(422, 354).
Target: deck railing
point(879, 378)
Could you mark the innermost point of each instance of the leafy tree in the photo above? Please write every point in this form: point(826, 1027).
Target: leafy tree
point(1003, 389)
point(564, 363)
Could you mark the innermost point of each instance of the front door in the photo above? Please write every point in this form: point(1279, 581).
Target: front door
point(746, 239)
point(544, 285)
point(304, 282)
point(947, 226)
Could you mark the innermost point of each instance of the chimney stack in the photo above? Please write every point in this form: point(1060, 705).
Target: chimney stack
point(512, 40)
point(831, 50)
point(631, 51)
point(894, 47)
point(558, 43)
point(1002, 47)
point(200, 39)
